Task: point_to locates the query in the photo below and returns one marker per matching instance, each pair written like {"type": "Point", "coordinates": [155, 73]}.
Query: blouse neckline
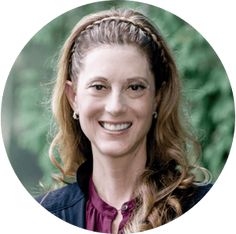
{"type": "Point", "coordinates": [100, 215]}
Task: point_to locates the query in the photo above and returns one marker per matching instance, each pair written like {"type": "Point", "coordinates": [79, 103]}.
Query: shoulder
{"type": "Point", "coordinates": [193, 195]}
{"type": "Point", "coordinates": [61, 198]}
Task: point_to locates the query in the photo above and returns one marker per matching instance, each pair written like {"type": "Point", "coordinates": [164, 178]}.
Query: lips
{"type": "Point", "coordinates": [115, 126]}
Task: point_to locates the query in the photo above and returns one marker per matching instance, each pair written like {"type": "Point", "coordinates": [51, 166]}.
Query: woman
{"type": "Point", "coordinates": [120, 129]}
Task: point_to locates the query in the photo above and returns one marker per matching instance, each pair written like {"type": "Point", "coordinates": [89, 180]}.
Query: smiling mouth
{"type": "Point", "coordinates": [115, 126]}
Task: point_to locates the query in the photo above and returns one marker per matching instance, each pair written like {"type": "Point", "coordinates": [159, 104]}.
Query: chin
{"type": "Point", "coordinates": [113, 153]}
{"type": "Point", "coordinates": [113, 150]}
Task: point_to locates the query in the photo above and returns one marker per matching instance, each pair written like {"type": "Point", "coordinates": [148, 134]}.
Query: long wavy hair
{"type": "Point", "coordinates": [169, 146]}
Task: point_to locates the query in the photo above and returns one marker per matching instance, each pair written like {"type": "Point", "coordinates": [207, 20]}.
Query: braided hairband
{"type": "Point", "coordinates": [146, 30]}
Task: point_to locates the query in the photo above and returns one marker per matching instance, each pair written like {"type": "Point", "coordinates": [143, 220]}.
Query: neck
{"type": "Point", "coordinates": [115, 177]}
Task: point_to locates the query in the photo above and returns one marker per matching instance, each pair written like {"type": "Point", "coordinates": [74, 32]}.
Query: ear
{"type": "Point", "coordinates": [159, 96]}
{"type": "Point", "coordinates": [70, 94]}
{"type": "Point", "coordinates": [157, 100]}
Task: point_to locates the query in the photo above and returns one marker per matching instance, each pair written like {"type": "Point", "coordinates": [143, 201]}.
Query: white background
{"type": "Point", "coordinates": [20, 20]}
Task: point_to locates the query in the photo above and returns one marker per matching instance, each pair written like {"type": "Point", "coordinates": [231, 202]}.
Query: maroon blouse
{"type": "Point", "coordinates": [100, 215]}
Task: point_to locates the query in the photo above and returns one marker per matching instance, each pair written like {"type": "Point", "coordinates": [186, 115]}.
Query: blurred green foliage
{"type": "Point", "coordinates": [26, 114]}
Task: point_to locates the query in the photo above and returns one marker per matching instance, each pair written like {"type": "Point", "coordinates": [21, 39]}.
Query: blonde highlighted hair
{"type": "Point", "coordinates": [169, 145]}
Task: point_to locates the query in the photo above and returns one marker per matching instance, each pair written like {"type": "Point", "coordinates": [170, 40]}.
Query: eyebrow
{"type": "Point", "coordinates": [138, 78]}
{"type": "Point", "coordinates": [130, 79]}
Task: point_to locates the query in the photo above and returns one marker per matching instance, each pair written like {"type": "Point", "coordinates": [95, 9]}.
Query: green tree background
{"type": "Point", "coordinates": [26, 113]}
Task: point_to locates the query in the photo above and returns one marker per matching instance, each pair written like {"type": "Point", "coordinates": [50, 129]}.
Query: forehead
{"type": "Point", "coordinates": [115, 61]}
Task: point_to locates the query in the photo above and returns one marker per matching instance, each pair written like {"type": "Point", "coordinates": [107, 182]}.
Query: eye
{"type": "Point", "coordinates": [136, 90]}
{"type": "Point", "coordinates": [137, 87]}
{"type": "Point", "coordinates": [98, 87]}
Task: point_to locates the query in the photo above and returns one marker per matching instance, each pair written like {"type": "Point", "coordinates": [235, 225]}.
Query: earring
{"type": "Point", "coordinates": [154, 115]}
{"type": "Point", "coordinates": [75, 116]}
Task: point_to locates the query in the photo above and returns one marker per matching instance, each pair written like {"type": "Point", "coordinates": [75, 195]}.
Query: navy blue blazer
{"type": "Point", "coordinates": [69, 203]}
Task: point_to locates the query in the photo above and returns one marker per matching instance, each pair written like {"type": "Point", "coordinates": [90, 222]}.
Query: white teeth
{"type": "Point", "coordinates": [116, 127]}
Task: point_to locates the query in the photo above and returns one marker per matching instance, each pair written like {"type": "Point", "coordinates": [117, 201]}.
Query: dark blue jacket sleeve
{"type": "Point", "coordinates": [67, 203]}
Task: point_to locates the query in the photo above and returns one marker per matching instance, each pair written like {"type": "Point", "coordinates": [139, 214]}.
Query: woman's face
{"type": "Point", "coordinates": [115, 99]}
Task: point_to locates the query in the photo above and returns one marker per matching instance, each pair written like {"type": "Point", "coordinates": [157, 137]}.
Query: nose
{"type": "Point", "coordinates": [115, 104]}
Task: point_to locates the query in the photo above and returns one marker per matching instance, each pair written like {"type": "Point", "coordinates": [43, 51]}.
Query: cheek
{"type": "Point", "coordinates": [87, 107]}
{"type": "Point", "coordinates": [88, 112]}
{"type": "Point", "coordinates": [144, 114]}
{"type": "Point", "coordinates": [145, 107]}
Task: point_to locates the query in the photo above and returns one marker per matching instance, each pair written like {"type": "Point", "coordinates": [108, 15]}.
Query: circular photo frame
{"type": "Point", "coordinates": [29, 127]}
